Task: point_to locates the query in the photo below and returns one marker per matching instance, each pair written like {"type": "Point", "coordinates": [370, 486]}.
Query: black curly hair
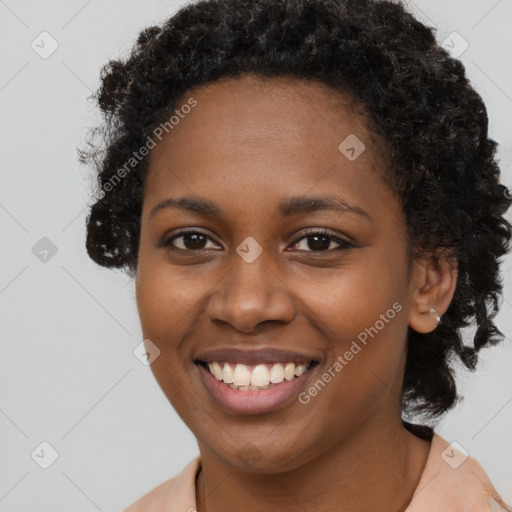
{"type": "Point", "coordinates": [417, 100]}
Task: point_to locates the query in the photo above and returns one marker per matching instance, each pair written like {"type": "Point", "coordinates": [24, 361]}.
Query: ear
{"type": "Point", "coordinates": [433, 282]}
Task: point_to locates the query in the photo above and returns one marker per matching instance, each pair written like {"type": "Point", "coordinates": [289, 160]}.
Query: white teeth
{"type": "Point", "coordinates": [300, 369]}
{"type": "Point", "coordinates": [241, 375]}
{"type": "Point", "coordinates": [247, 388]}
{"type": "Point", "coordinates": [217, 371]}
{"type": "Point", "coordinates": [277, 373]}
{"type": "Point", "coordinates": [262, 376]}
{"type": "Point", "coordinates": [227, 374]}
{"type": "Point", "coordinates": [289, 371]}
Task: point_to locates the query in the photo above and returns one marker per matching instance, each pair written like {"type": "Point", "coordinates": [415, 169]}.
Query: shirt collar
{"type": "Point", "coordinates": [451, 481]}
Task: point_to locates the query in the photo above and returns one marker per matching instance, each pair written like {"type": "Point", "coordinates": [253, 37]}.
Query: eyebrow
{"type": "Point", "coordinates": [288, 207]}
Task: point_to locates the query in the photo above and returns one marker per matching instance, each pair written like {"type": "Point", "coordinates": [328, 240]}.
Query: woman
{"type": "Point", "coordinates": [308, 200]}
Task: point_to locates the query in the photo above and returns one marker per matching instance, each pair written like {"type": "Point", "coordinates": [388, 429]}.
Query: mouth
{"type": "Point", "coordinates": [254, 388]}
{"type": "Point", "coordinates": [243, 377]}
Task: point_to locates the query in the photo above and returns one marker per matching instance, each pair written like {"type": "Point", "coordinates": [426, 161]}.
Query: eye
{"type": "Point", "coordinates": [188, 241]}
{"type": "Point", "coordinates": [316, 241]}
{"type": "Point", "coordinates": [320, 241]}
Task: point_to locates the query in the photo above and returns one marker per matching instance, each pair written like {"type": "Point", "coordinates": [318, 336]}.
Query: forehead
{"type": "Point", "coordinates": [251, 97]}
{"type": "Point", "coordinates": [258, 135]}
{"type": "Point", "coordinates": [235, 114]}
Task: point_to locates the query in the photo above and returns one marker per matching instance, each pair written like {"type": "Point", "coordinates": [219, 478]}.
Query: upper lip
{"type": "Point", "coordinates": [247, 356]}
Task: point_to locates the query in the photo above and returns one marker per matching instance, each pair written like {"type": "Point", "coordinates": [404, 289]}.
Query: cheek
{"type": "Point", "coordinates": [378, 310]}
{"type": "Point", "coordinates": [164, 304]}
{"type": "Point", "coordinates": [363, 312]}
{"type": "Point", "coordinates": [165, 299]}
{"type": "Point", "coordinates": [348, 301]}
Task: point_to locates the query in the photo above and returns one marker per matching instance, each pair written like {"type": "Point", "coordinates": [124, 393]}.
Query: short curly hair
{"type": "Point", "coordinates": [418, 101]}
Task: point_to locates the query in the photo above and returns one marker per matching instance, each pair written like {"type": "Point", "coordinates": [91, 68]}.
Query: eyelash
{"type": "Point", "coordinates": [344, 244]}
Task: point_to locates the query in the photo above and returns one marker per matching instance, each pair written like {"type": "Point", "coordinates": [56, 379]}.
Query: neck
{"type": "Point", "coordinates": [372, 470]}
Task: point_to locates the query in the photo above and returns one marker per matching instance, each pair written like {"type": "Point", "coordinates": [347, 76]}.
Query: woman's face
{"type": "Point", "coordinates": [253, 280]}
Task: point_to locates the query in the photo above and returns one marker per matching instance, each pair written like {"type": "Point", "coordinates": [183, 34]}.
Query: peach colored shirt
{"type": "Point", "coordinates": [450, 482]}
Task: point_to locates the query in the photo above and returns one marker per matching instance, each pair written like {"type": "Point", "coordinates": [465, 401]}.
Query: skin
{"type": "Point", "coordinates": [247, 145]}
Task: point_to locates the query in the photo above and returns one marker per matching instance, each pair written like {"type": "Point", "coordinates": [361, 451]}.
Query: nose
{"type": "Point", "coordinates": [250, 294]}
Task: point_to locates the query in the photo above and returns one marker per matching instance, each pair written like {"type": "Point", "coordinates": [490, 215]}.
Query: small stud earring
{"type": "Point", "coordinates": [433, 311]}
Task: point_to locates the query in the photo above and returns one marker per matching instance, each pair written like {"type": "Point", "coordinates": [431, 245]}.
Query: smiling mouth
{"type": "Point", "coordinates": [242, 377]}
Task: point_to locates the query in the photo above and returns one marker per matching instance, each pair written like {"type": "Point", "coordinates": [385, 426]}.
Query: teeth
{"type": "Point", "coordinates": [277, 373]}
{"type": "Point", "coordinates": [217, 371]}
{"type": "Point", "coordinates": [241, 375]}
{"type": "Point", "coordinates": [299, 370]}
{"type": "Point", "coordinates": [246, 388]}
{"type": "Point", "coordinates": [289, 371]}
{"type": "Point", "coordinates": [262, 376]}
{"type": "Point", "coordinates": [227, 374]}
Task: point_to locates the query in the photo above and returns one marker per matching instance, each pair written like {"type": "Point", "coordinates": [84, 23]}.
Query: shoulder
{"type": "Point", "coordinates": [454, 481]}
{"type": "Point", "coordinates": [154, 499]}
{"type": "Point", "coordinates": [172, 494]}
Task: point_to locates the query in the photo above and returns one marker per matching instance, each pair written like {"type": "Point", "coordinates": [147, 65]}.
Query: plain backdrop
{"type": "Point", "coordinates": [68, 375]}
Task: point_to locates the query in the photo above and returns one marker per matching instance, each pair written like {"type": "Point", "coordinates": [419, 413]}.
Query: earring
{"type": "Point", "coordinates": [433, 311]}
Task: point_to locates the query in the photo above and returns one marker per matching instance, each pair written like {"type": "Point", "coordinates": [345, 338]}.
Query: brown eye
{"type": "Point", "coordinates": [188, 241]}
{"type": "Point", "coordinates": [320, 241]}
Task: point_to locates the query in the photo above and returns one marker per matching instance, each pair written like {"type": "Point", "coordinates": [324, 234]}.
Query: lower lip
{"type": "Point", "coordinates": [253, 402]}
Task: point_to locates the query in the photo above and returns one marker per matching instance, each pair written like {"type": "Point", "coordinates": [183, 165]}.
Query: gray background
{"type": "Point", "coordinates": [69, 328]}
